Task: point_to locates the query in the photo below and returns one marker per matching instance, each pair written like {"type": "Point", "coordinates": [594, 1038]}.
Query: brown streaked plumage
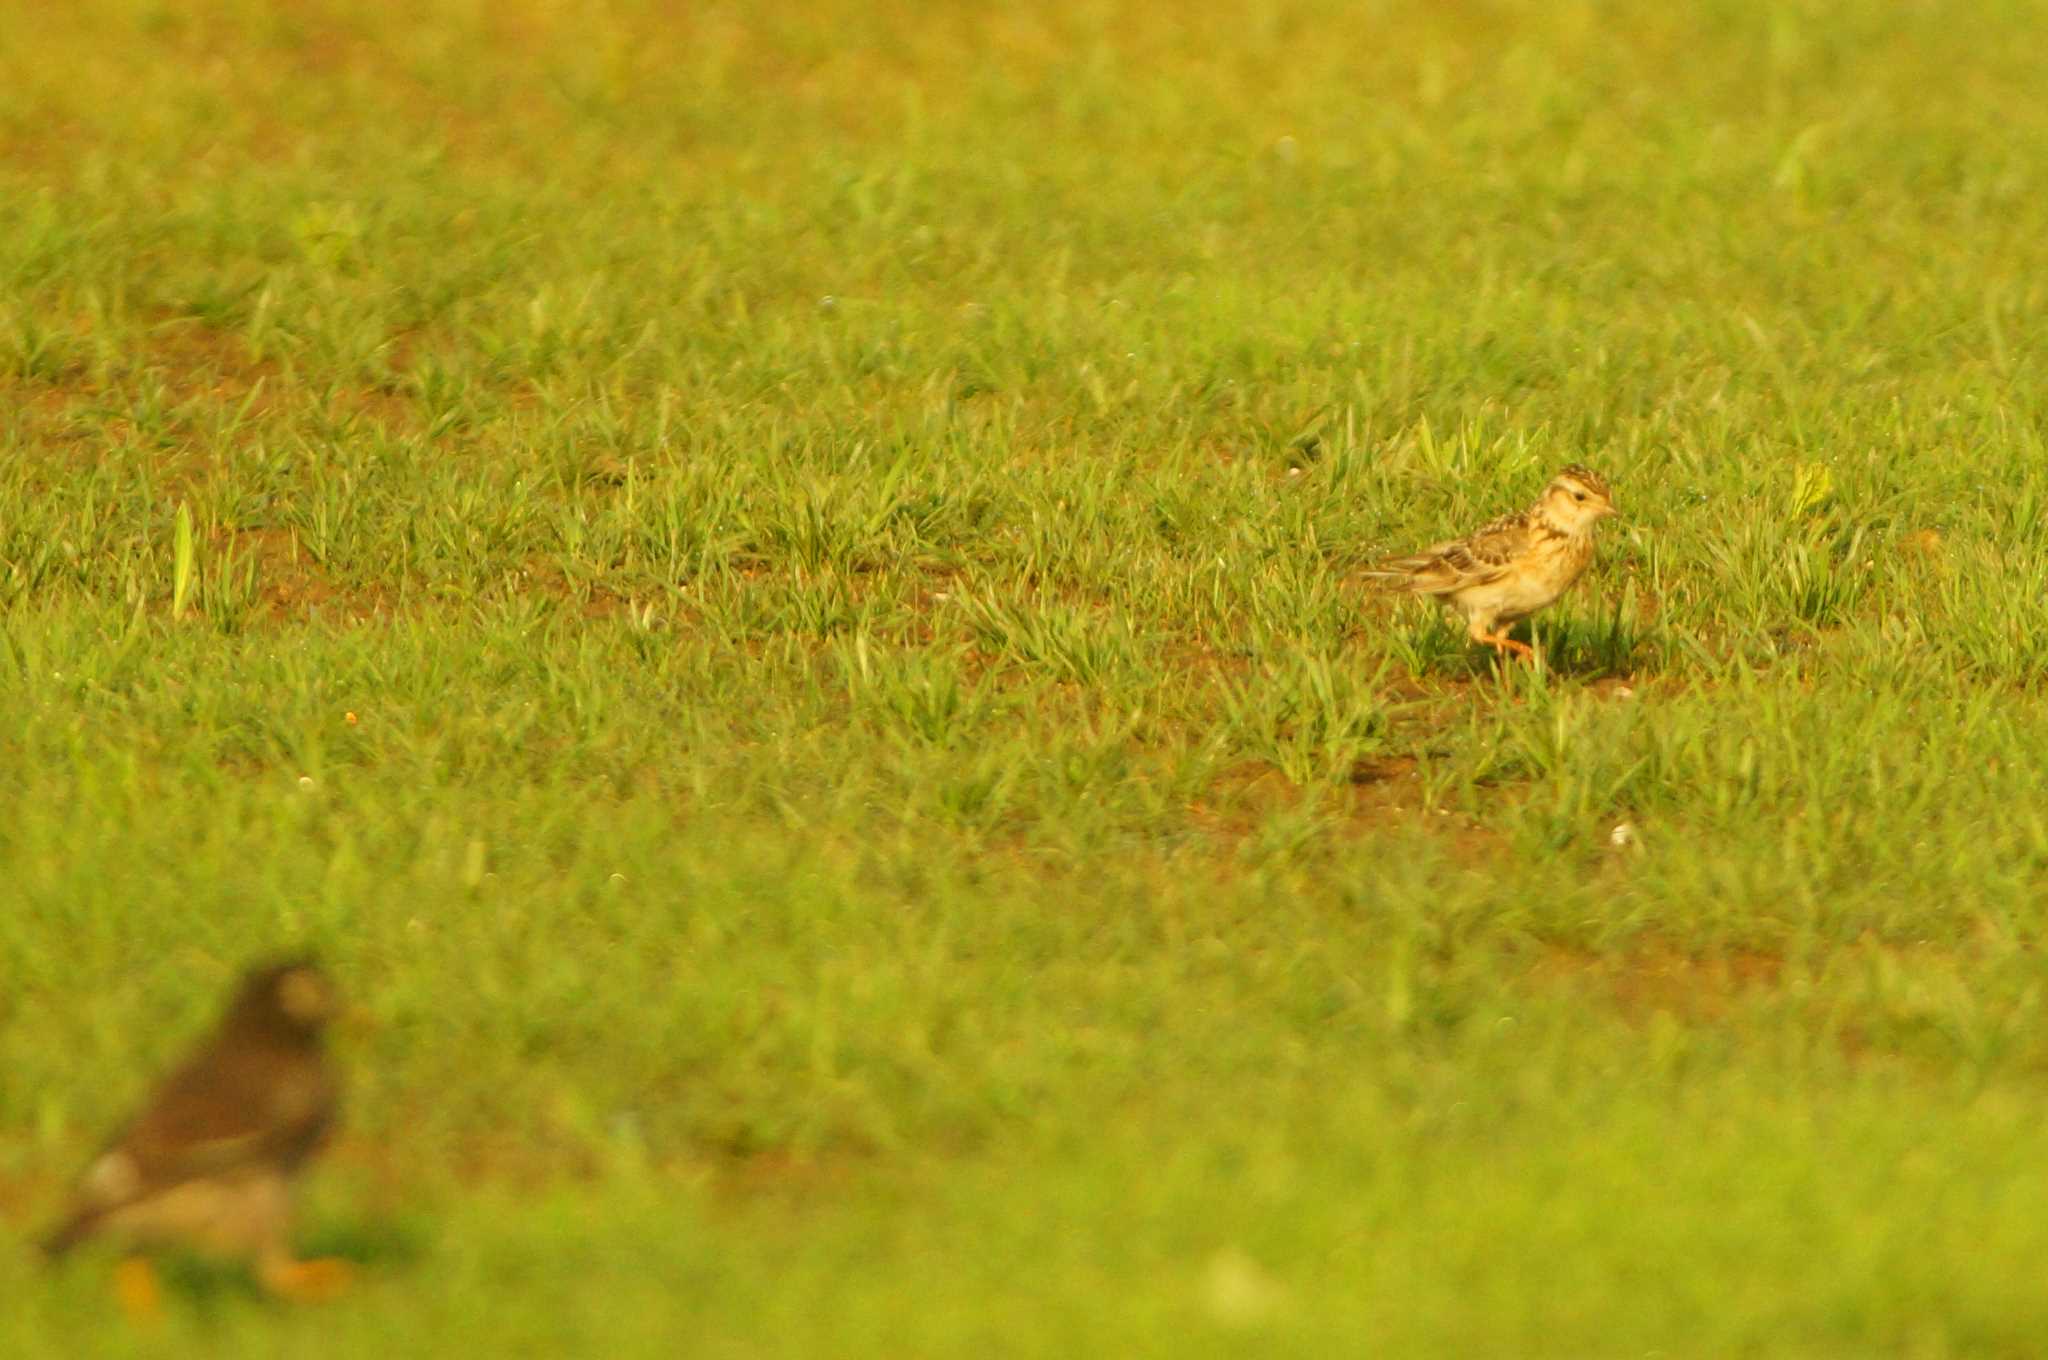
{"type": "Point", "coordinates": [1516, 565]}
{"type": "Point", "coordinates": [208, 1162]}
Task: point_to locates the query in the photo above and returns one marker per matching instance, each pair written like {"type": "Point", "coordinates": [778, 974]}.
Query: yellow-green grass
{"type": "Point", "coordinates": [777, 595]}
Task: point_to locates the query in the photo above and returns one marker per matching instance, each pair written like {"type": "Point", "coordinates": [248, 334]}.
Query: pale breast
{"type": "Point", "coordinates": [1542, 576]}
{"type": "Point", "coordinates": [238, 1214]}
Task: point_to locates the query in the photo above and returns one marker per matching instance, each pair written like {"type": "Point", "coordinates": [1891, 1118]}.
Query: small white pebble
{"type": "Point", "coordinates": [1294, 472]}
{"type": "Point", "coordinates": [827, 303]}
{"type": "Point", "coordinates": [941, 595]}
{"type": "Point", "coordinates": [1623, 835]}
{"type": "Point", "coordinates": [618, 878]}
{"type": "Point", "coordinates": [306, 782]}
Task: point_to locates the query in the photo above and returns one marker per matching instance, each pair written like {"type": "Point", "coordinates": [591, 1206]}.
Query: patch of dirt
{"type": "Point", "coordinates": [1378, 772]}
{"type": "Point", "coordinates": [1384, 793]}
{"type": "Point", "coordinates": [1924, 544]}
{"type": "Point", "coordinates": [189, 371]}
{"type": "Point", "coordinates": [1387, 791]}
{"type": "Point", "coordinates": [1660, 977]}
{"type": "Point", "coordinates": [1235, 799]}
{"type": "Point", "coordinates": [776, 1174]}
{"type": "Point", "coordinates": [291, 584]}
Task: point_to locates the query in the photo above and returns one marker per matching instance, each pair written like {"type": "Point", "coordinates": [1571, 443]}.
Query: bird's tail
{"type": "Point", "coordinates": [1399, 575]}
{"type": "Point", "coordinates": [66, 1235]}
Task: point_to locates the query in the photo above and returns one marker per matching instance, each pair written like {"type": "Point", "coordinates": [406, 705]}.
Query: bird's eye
{"type": "Point", "coordinates": [1578, 495]}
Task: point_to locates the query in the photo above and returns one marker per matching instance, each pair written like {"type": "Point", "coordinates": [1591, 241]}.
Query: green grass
{"type": "Point", "coordinates": [777, 597]}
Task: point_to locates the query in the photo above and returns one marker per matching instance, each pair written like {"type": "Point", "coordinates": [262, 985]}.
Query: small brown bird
{"type": "Point", "coordinates": [209, 1161]}
{"type": "Point", "coordinates": [1516, 565]}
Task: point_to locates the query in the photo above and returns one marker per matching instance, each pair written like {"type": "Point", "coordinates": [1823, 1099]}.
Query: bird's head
{"type": "Point", "coordinates": [289, 997]}
{"type": "Point", "coordinates": [1577, 499]}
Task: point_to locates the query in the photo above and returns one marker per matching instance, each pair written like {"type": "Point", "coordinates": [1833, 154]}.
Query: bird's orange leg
{"type": "Point", "coordinates": [306, 1281]}
{"type": "Point", "coordinates": [1503, 643]}
{"type": "Point", "coordinates": [137, 1291]}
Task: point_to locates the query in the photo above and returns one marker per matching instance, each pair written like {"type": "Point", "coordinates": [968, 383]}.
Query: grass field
{"type": "Point", "coordinates": [777, 595]}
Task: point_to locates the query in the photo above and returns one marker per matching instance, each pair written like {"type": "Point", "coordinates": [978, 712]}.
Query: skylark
{"type": "Point", "coordinates": [1516, 565]}
{"type": "Point", "coordinates": [208, 1162]}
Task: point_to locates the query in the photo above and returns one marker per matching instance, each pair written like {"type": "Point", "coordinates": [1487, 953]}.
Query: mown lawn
{"type": "Point", "coordinates": [777, 595]}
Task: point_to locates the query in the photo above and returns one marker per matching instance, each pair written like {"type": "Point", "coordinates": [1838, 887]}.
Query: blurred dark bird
{"type": "Point", "coordinates": [208, 1163]}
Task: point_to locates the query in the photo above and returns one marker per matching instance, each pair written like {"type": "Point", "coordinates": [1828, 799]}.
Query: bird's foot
{"type": "Point", "coordinates": [1507, 646]}
{"type": "Point", "coordinates": [314, 1281]}
{"type": "Point", "coordinates": [137, 1290]}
